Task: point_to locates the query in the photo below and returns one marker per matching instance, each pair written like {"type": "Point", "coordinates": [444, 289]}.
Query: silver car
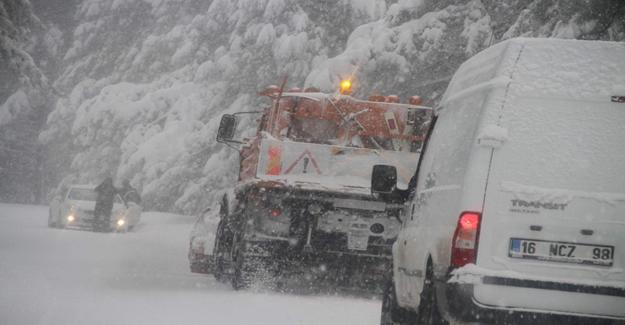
{"type": "Point", "coordinates": [76, 210]}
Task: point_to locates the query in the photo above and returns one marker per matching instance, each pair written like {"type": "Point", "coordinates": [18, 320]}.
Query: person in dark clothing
{"type": "Point", "coordinates": [129, 193]}
{"type": "Point", "coordinates": [104, 204]}
{"type": "Point", "coordinates": [132, 200]}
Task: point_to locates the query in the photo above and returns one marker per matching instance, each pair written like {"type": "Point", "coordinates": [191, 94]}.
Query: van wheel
{"type": "Point", "coordinates": [392, 313]}
{"type": "Point", "coordinates": [428, 307]}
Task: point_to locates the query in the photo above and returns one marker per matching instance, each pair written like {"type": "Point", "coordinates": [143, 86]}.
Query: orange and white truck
{"type": "Point", "coordinates": [303, 199]}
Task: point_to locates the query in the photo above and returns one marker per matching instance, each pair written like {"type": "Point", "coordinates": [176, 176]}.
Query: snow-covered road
{"type": "Point", "coordinates": [53, 276]}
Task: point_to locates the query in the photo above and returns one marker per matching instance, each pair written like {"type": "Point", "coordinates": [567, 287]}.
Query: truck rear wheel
{"type": "Point", "coordinates": [221, 248]}
{"type": "Point", "coordinates": [244, 270]}
{"type": "Point", "coordinates": [241, 278]}
{"type": "Point", "coordinates": [250, 269]}
{"type": "Point", "coordinates": [219, 272]}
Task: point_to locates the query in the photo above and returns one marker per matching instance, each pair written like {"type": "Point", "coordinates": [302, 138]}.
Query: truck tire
{"type": "Point", "coordinates": [221, 248]}
{"type": "Point", "coordinates": [392, 313]}
{"type": "Point", "coordinates": [428, 313]}
{"type": "Point", "coordinates": [219, 272]}
{"type": "Point", "coordinates": [243, 271]}
{"type": "Point", "coordinates": [249, 269]}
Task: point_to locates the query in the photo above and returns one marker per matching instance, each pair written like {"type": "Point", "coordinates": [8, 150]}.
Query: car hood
{"type": "Point", "coordinates": [82, 205]}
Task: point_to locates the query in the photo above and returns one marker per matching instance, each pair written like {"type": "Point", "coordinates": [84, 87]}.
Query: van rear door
{"type": "Point", "coordinates": [554, 212]}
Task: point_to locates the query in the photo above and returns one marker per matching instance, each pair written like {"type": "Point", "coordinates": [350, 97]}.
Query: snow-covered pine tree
{"type": "Point", "coordinates": [25, 99]}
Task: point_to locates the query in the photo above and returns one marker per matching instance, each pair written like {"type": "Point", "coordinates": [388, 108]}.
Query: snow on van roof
{"type": "Point", "coordinates": [544, 67]}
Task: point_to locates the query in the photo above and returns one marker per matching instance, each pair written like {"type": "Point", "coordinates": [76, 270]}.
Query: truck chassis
{"type": "Point", "coordinates": [311, 241]}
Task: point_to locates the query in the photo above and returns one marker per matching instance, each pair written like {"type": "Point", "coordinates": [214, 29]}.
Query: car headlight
{"type": "Point", "coordinates": [70, 218]}
{"type": "Point", "coordinates": [120, 222]}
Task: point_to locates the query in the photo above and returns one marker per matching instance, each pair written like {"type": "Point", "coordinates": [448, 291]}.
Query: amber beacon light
{"type": "Point", "coordinates": [346, 87]}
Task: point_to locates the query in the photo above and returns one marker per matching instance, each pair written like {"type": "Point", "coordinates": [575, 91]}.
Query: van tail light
{"type": "Point", "coordinates": [465, 240]}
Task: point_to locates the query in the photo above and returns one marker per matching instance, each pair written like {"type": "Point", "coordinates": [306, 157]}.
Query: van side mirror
{"type": "Point", "coordinates": [383, 179]}
{"type": "Point", "coordinates": [227, 127]}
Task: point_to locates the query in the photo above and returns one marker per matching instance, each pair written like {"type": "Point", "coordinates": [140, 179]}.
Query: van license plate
{"type": "Point", "coordinates": [561, 252]}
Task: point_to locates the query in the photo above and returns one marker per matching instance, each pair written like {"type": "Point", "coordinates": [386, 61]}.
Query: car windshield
{"type": "Point", "coordinates": [312, 130]}
{"type": "Point", "coordinates": [352, 123]}
{"type": "Point", "coordinates": [82, 194]}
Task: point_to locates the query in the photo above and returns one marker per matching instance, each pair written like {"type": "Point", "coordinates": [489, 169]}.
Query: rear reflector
{"type": "Point", "coordinates": [465, 240]}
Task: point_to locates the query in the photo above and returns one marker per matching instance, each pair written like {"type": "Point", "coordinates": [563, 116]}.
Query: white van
{"type": "Point", "coordinates": [518, 212]}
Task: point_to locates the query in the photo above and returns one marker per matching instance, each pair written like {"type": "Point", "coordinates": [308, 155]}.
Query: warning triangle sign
{"type": "Point", "coordinates": [306, 159]}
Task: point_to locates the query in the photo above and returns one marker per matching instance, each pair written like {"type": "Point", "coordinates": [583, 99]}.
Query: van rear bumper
{"type": "Point", "coordinates": [457, 302]}
{"type": "Point", "coordinates": [549, 285]}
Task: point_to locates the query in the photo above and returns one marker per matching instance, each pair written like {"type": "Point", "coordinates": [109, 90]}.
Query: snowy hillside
{"type": "Point", "coordinates": [144, 83]}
